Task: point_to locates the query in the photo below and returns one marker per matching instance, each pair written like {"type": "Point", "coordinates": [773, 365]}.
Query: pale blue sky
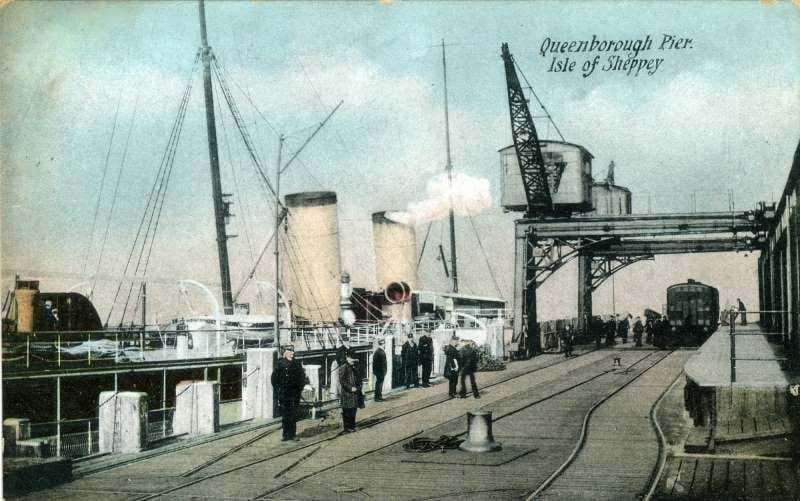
{"type": "Point", "coordinates": [720, 116]}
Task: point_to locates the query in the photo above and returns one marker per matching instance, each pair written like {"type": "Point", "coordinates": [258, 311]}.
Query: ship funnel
{"type": "Point", "coordinates": [25, 296]}
{"type": "Point", "coordinates": [395, 251]}
{"type": "Point", "coordinates": [395, 262]}
{"type": "Point", "coordinates": [397, 292]}
{"type": "Point", "coordinates": [311, 262]}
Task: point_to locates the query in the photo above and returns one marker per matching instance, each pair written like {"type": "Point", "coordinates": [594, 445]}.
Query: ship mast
{"type": "Point", "coordinates": [221, 208]}
{"type": "Point", "coordinates": [449, 168]}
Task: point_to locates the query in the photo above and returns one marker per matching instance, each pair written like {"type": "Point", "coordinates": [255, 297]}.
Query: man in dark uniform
{"type": "Point", "coordinates": [660, 332]}
{"type": "Point", "coordinates": [343, 348]}
{"type": "Point", "coordinates": [425, 351]}
{"type": "Point", "coordinates": [350, 389]}
{"type": "Point", "coordinates": [597, 328]}
{"type": "Point", "coordinates": [566, 341]}
{"type": "Point", "coordinates": [611, 329]}
{"type": "Point", "coordinates": [742, 311]}
{"type": "Point", "coordinates": [288, 380]}
{"type": "Point", "coordinates": [648, 330]}
{"type": "Point", "coordinates": [622, 329]}
{"type": "Point", "coordinates": [451, 366]}
{"type": "Point", "coordinates": [638, 330]}
{"type": "Point", "coordinates": [469, 364]}
{"type": "Point", "coordinates": [410, 357]}
{"type": "Point", "coordinates": [379, 369]}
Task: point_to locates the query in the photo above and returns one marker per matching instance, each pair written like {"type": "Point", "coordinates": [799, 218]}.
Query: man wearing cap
{"type": "Point", "coordinates": [426, 357]}
{"type": "Point", "coordinates": [410, 356]}
{"type": "Point", "coordinates": [350, 388]}
{"type": "Point", "coordinates": [469, 364]}
{"type": "Point", "coordinates": [343, 348]}
{"type": "Point", "coordinates": [379, 369]}
{"type": "Point", "coordinates": [288, 379]}
{"type": "Point", "coordinates": [622, 328]}
{"type": "Point", "coordinates": [451, 366]}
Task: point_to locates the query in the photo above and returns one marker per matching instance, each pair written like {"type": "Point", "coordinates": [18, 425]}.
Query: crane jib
{"type": "Point", "coordinates": [526, 143]}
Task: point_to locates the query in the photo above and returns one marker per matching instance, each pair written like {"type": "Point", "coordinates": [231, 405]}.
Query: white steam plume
{"type": "Point", "coordinates": [468, 196]}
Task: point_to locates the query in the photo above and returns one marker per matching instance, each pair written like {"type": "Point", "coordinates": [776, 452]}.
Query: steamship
{"type": "Point", "coordinates": [56, 347]}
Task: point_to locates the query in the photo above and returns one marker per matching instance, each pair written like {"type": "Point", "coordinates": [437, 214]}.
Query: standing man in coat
{"type": "Point", "coordinates": [611, 329]}
{"type": "Point", "coordinates": [350, 388]}
{"type": "Point", "coordinates": [288, 379]}
{"type": "Point", "coordinates": [469, 364]}
{"type": "Point", "coordinates": [344, 347]}
{"type": "Point", "coordinates": [638, 330]}
{"type": "Point", "coordinates": [742, 311]}
{"type": "Point", "coordinates": [379, 368]}
{"type": "Point", "coordinates": [622, 329]}
{"type": "Point", "coordinates": [648, 330]}
{"type": "Point", "coordinates": [566, 341]}
{"type": "Point", "coordinates": [661, 331]}
{"type": "Point", "coordinates": [451, 366]}
{"type": "Point", "coordinates": [425, 351]}
{"type": "Point", "coordinates": [410, 356]}
{"type": "Point", "coordinates": [597, 331]}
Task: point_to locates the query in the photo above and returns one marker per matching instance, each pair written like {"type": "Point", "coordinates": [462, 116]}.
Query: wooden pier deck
{"type": "Point", "coordinates": [539, 408]}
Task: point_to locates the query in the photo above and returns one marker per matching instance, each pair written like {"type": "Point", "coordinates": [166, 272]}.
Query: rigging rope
{"type": "Point", "coordinates": [363, 302]}
{"type": "Point", "coordinates": [295, 256]}
{"type": "Point", "coordinates": [539, 101]}
{"type": "Point", "coordinates": [114, 197]}
{"type": "Point", "coordinates": [485, 257]}
{"type": "Point", "coordinates": [102, 185]}
{"type": "Point", "coordinates": [166, 178]}
{"type": "Point", "coordinates": [347, 149]}
{"type": "Point", "coordinates": [155, 191]}
{"type": "Point", "coordinates": [240, 125]}
{"type": "Point", "coordinates": [238, 192]}
{"type": "Point", "coordinates": [247, 95]}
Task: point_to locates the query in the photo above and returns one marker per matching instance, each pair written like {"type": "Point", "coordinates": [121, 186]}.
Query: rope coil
{"type": "Point", "coordinates": [426, 444]}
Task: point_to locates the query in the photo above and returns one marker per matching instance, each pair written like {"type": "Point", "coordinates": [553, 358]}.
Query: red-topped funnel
{"type": "Point", "coordinates": [397, 292]}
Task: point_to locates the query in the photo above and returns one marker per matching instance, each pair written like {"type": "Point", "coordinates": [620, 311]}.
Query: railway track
{"type": "Point", "coordinates": [596, 472]}
{"type": "Point", "coordinates": [276, 492]}
{"type": "Point", "coordinates": [290, 472]}
{"type": "Point", "coordinates": [267, 494]}
{"type": "Point", "coordinates": [279, 491]}
{"type": "Point", "coordinates": [268, 429]}
{"type": "Point", "coordinates": [378, 419]}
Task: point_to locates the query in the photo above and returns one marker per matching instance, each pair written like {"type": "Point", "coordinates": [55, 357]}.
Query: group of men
{"type": "Point", "coordinates": [415, 355]}
{"type": "Point", "coordinates": [289, 378]}
{"type": "Point", "coordinates": [651, 331]}
{"type": "Point", "coordinates": [460, 362]}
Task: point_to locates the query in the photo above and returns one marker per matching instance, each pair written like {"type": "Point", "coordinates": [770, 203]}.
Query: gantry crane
{"type": "Point", "coordinates": [526, 144]}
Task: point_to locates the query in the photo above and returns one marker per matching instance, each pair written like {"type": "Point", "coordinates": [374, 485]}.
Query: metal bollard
{"type": "Point", "coordinates": [479, 433]}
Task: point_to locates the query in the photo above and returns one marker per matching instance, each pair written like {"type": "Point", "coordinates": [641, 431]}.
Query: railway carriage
{"type": "Point", "coordinates": [693, 312]}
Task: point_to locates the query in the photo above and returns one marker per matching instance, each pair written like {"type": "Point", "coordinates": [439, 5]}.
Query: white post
{"type": "Point", "coordinates": [312, 373]}
{"type": "Point", "coordinates": [387, 382]}
{"type": "Point", "coordinates": [333, 377]}
{"type": "Point", "coordinates": [258, 397]}
{"type": "Point", "coordinates": [196, 408]}
{"type": "Point", "coordinates": [123, 421]}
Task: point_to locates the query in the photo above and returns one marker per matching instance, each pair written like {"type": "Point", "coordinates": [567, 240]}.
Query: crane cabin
{"type": "Point", "coordinates": [569, 168]}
